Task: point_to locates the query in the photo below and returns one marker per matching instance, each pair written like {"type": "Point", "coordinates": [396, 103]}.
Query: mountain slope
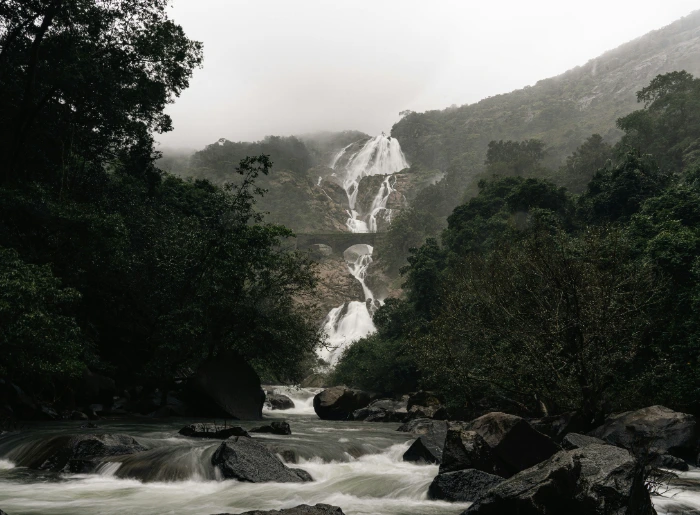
{"type": "Point", "coordinates": [562, 111]}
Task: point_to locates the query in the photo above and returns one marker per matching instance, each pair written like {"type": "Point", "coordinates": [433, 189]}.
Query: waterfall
{"type": "Point", "coordinates": [380, 155]}
{"type": "Point", "coordinates": [352, 320]}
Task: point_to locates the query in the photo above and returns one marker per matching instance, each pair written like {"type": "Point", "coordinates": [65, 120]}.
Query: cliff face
{"type": "Point", "coordinates": [562, 110]}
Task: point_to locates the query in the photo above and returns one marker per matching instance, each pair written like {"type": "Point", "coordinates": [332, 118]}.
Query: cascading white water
{"type": "Point", "coordinates": [381, 155]}
{"type": "Point", "coordinates": [352, 320]}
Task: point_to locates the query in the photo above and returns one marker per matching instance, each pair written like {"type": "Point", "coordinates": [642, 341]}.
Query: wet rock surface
{"type": "Point", "coordinates": [462, 486]}
{"type": "Point", "coordinates": [594, 480]}
{"type": "Point", "coordinates": [275, 428]}
{"type": "Point", "coordinates": [513, 440]}
{"type": "Point", "coordinates": [339, 402]}
{"type": "Point", "coordinates": [79, 453]}
{"type": "Point", "coordinates": [428, 448]}
{"type": "Point", "coordinates": [661, 429]}
{"type": "Point", "coordinates": [278, 401]}
{"type": "Point", "coordinates": [201, 430]}
{"type": "Point", "coordinates": [576, 441]}
{"type": "Point", "coordinates": [247, 460]}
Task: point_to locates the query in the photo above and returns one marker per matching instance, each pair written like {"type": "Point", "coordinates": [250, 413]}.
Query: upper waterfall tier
{"type": "Point", "coordinates": [380, 155]}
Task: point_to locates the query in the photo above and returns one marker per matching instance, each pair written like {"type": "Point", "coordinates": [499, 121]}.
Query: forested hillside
{"type": "Point", "coordinates": [542, 301]}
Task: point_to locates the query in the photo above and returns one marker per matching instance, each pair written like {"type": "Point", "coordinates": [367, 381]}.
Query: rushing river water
{"type": "Point", "coordinates": [355, 465]}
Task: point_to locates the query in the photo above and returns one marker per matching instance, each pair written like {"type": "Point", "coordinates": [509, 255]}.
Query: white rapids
{"type": "Point", "coordinates": [356, 466]}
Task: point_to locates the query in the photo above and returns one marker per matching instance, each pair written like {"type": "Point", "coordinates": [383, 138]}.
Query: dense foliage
{"type": "Point", "coordinates": [105, 260]}
{"type": "Point", "coordinates": [544, 301]}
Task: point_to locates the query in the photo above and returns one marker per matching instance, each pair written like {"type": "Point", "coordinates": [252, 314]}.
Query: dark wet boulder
{"type": "Point", "coordinates": [276, 428]}
{"type": "Point", "coordinates": [302, 509]}
{"type": "Point", "coordinates": [468, 450]}
{"type": "Point", "coordinates": [246, 460]}
{"type": "Point", "coordinates": [78, 415]}
{"type": "Point", "coordinates": [78, 453]}
{"type": "Point", "coordinates": [558, 426]}
{"type": "Point", "coordinates": [576, 441]}
{"type": "Point", "coordinates": [419, 426]}
{"type": "Point", "coordinates": [339, 402]}
{"type": "Point", "coordinates": [662, 430]}
{"type": "Point", "coordinates": [462, 485]}
{"type": "Point", "coordinates": [382, 410]}
{"type": "Point", "coordinates": [593, 480]}
{"type": "Point", "coordinates": [431, 412]}
{"type": "Point", "coordinates": [666, 461]}
{"type": "Point", "coordinates": [277, 401]}
{"type": "Point", "coordinates": [428, 447]}
{"type": "Point", "coordinates": [225, 387]}
{"type": "Point", "coordinates": [514, 441]}
{"type": "Point", "coordinates": [212, 431]}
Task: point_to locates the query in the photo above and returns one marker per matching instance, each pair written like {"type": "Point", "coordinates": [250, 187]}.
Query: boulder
{"type": "Point", "coordinates": [558, 426]}
{"type": "Point", "coordinates": [462, 486]}
{"type": "Point", "coordinates": [278, 401]}
{"type": "Point", "coordinates": [513, 440]}
{"type": "Point", "coordinates": [302, 509]}
{"type": "Point", "coordinates": [428, 447]}
{"type": "Point", "coordinates": [16, 404]}
{"type": "Point", "coordinates": [275, 428]}
{"type": "Point", "coordinates": [468, 450]}
{"type": "Point", "coordinates": [421, 398]}
{"type": "Point", "coordinates": [339, 402]}
{"type": "Point", "coordinates": [418, 426]}
{"type": "Point", "coordinates": [78, 415]}
{"type": "Point", "coordinates": [434, 412]}
{"type": "Point", "coordinates": [212, 431]}
{"type": "Point", "coordinates": [226, 387]}
{"type": "Point", "coordinates": [666, 461]}
{"type": "Point", "coordinates": [246, 460]}
{"type": "Point", "coordinates": [660, 429]}
{"type": "Point", "coordinates": [382, 410]}
{"type": "Point", "coordinates": [576, 441]}
{"type": "Point", "coordinates": [78, 453]}
{"type": "Point", "coordinates": [593, 480]}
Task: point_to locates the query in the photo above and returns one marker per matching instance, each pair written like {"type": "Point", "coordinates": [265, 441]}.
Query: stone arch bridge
{"type": "Point", "coordinates": [338, 241]}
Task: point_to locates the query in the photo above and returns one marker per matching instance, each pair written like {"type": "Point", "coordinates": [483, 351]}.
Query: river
{"type": "Point", "coordinates": [355, 465]}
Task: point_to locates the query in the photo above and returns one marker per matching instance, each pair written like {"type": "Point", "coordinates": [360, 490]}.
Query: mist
{"type": "Point", "coordinates": [279, 67]}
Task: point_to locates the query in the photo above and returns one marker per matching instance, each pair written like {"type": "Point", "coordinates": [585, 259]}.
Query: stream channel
{"type": "Point", "coordinates": [355, 465]}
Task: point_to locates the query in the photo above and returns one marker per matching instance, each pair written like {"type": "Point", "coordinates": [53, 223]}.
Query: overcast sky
{"type": "Point", "coordinates": [293, 66]}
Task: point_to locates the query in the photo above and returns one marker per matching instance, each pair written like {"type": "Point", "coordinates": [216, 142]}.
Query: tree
{"type": "Point", "coordinates": [518, 158]}
{"type": "Point", "coordinates": [83, 82]}
{"type": "Point", "coordinates": [548, 322]}
{"type": "Point", "coordinates": [580, 166]}
{"type": "Point", "coordinates": [669, 125]}
{"type": "Point", "coordinates": [40, 341]}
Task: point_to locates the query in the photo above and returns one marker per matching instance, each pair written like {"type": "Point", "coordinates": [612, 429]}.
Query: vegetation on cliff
{"type": "Point", "coordinates": [540, 300]}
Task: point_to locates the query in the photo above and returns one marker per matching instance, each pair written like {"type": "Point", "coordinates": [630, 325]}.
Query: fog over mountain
{"type": "Point", "coordinates": [277, 67]}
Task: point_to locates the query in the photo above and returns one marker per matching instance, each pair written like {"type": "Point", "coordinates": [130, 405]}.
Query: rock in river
{"type": "Point", "coordinates": [665, 431]}
{"type": "Point", "coordinates": [338, 402]}
{"type": "Point", "coordinates": [278, 401]}
{"type": "Point", "coordinates": [593, 480]}
{"type": "Point", "coordinates": [246, 460]}
{"type": "Point", "coordinates": [428, 447]}
{"type": "Point", "coordinates": [212, 431]}
{"type": "Point", "coordinates": [78, 453]}
{"type": "Point", "coordinates": [462, 486]}
{"type": "Point", "coordinates": [276, 428]}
